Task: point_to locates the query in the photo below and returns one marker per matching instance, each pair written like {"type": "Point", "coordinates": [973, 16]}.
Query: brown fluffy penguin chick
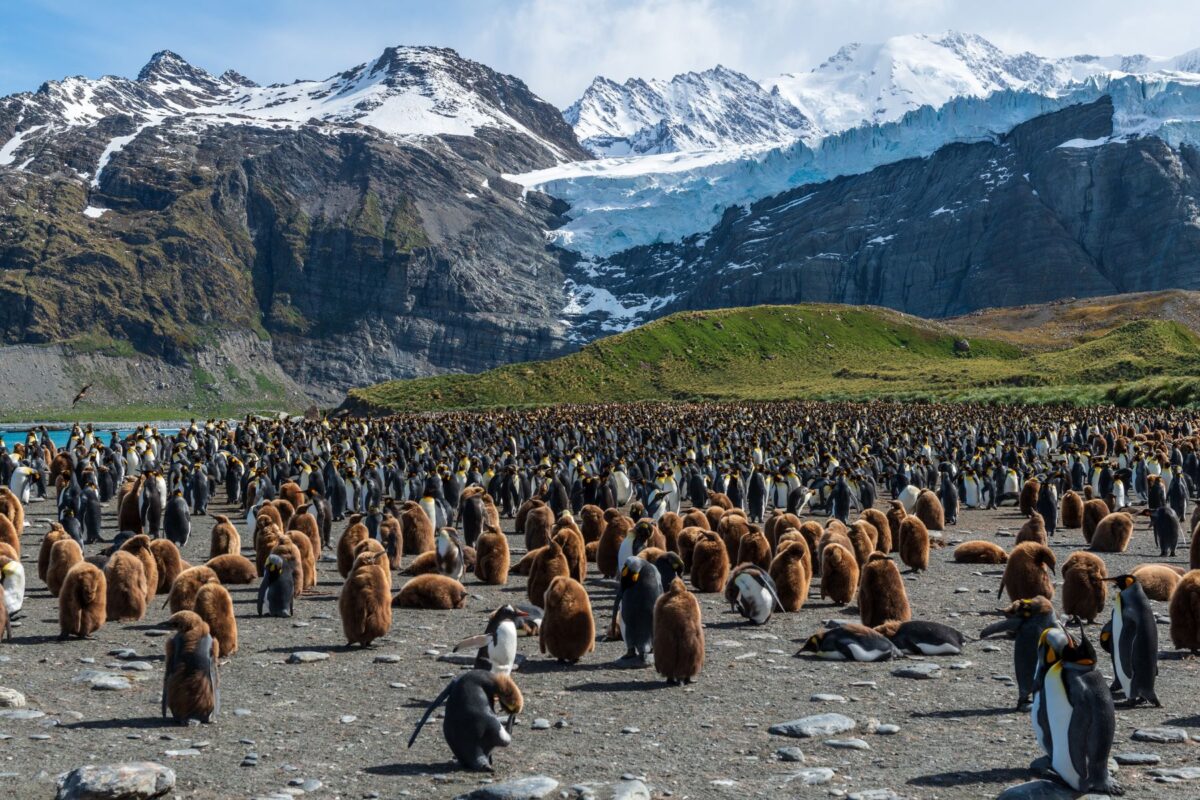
{"type": "Point", "coordinates": [491, 557]}
{"type": "Point", "coordinates": [225, 539]}
{"type": "Point", "coordinates": [881, 595]}
{"type": "Point", "coordinates": [233, 569]}
{"type": "Point", "coordinates": [424, 564]}
{"type": "Point", "coordinates": [350, 538]}
{"type": "Point", "coordinates": [82, 601]}
{"type": "Point", "coordinates": [538, 524]}
{"type": "Point", "coordinates": [568, 631]}
{"type": "Point", "coordinates": [1034, 529]}
{"type": "Point", "coordinates": [7, 551]}
{"type": "Point", "coordinates": [1071, 510]}
{"type": "Point", "coordinates": [168, 562]}
{"type": "Point", "coordinates": [861, 539]}
{"type": "Point", "coordinates": [290, 491]}
{"type": "Point", "coordinates": [1093, 512]}
{"type": "Point", "coordinates": [812, 532]}
{"type": "Point", "coordinates": [525, 563]}
{"type": "Point", "coordinates": [265, 541]}
{"type": "Point", "coordinates": [695, 518]}
{"type": "Point", "coordinates": [1025, 573]}
{"type": "Point", "coordinates": [191, 689]}
{"type": "Point", "coordinates": [416, 528]}
{"type": "Point", "coordinates": [126, 587]}
{"type": "Point", "coordinates": [271, 512]}
{"type": "Point", "coordinates": [895, 517]}
{"type": "Point", "coordinates": [433, 592]}
{"type": "Point", "coordinates": [288, 551]}
{"type": "Point", "coordinates": [286, 512]}
{"type": "Point", "coordinates": [1027, 500]}
{"type": "Point", "coordinates": [571, 542]}
{"type": "Point", "coordinates": [365, 604]}
{"type": "Point", "coordinates": [928, 509]}
{"type": "Point", "coordinates": [777, 523]}
{"type": "Point", "coordinates": [754, 549]}
{"type": "Point", "coordinates": [9, 535]}
{"type": "Point", "coordinates": [1158, 580]}
{"type": "Point", "coordinates": [591, 523]}
{"type": "Point", "coordinates": [914, 544]}
{"type": "Point", "coordinates": [839, 573]}
{"type": "Point", "coordinates": [710, 563]}
{"type": "Point", "coordinates": [669, 525]}
{"type": "Point", "coordinates": [719, 500]}
{"type": "Point", "coordinates": [883, 529]}
{"type": "Point", "coordinates": [610, 544]}
{"type": "Point", "coordinates": [1113, 533]}
{"type": "Point", "coordinates": [979, 551]}
{"type": "Point", "coordinates": [1185, 613]}
{"type": "Point", "coordinates": [141, 546]}
{"type": "Point", "coordinates": [713, 514]}
{"type": "Point", "coordinates": [214, 605]}
{"type": "Point", "coordinates": [678, 634]}
{"type": "Point", "coordinates": [304, 545]}
{"type": "Point", "coordinates": [129, 514]}
{"type": "Point", "coordinates": [1083, 587]}
{"type": "Point", "coordinates": [687, 544]}
{"type": "Point", "coordinates": [523, 514]}
{"type": "Point", "coordinates": [55, 534]}
{"type": "Point", "coordinates": [548, 565]}
{"type": "Point", "coordinates": [792, 575]}
{"type": "Point", "coordinates": [793, 536]}
{"type": "Point", "coordinates": [183, 591]}
{"type": "Point", "coordinates": [732, 528]}
{"type": "Point", "coordinates": [305, 523]}
{"type": "Point", "coordinates": [64, 554]}
{"type": "Point", "coordinates": [11, 507]}
{"type": "Point", "coordinates": [1194, 549]}
{"type": "Point", "coordinates": [376, 547]}
{"type": "Point", "coordinates": [652, 554]}
{"type": "Point", "coordinates": [391, 536]}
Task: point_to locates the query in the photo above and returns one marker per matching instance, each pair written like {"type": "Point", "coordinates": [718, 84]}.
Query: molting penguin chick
{"type": "Point", "coordinates": [12, 582]}
{"type": "Point", "coordinates": [450, 549]}
{"type": "Point", "coordinates": [850, 642]}
{"type": "Point", "coordinates": [191, 688]}
{"type": "Point", "coordinates": [568, 631]}
{"type": "Point", "coordinates": [278, 588]}
{"type": "Point", "coordinates": [752, 592]}
{"type": "Point", "coordinates": [471, 727]}
{"type": "Point", "coordinates": [678, 634]}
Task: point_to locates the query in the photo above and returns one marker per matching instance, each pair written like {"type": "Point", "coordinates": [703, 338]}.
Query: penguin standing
{"type": "Point", "coordinates": [1074, 719]}
{"type": "Point", "coordinates": [498, 643]}
{"type": "Point", "coordinates": [278, 587]}
{"type": "Point", "coordinates": [1047, 506]}
{"type": "Point", "coordinates": [470, 726]}
{"type": "Point", "coordinates": [1025, 620]}
{"type": "Point", "coordinates": [450, 553]}
{"type": "Point", "coordinates": [191, 689]}
{"type": "Point", "coordinates": [1134, 642]}
{"type": "Point", "coordinates": [640, 588]}
{"type": "Point", "coordinates": [177, 519]}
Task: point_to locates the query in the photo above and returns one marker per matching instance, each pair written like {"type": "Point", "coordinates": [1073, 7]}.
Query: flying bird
{"type": "Point", "coordinates": [79, 396]}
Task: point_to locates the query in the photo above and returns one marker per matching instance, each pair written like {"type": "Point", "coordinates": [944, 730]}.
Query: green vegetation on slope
{"type": "Point", "coordinates": [821, 352]}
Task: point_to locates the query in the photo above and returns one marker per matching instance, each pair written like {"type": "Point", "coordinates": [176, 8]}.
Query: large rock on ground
{"type": "Point", "coordinates": [136, 780]}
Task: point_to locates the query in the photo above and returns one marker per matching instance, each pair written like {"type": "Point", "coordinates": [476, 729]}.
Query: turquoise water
{"type": "Point", "coordinates": [60, 435]}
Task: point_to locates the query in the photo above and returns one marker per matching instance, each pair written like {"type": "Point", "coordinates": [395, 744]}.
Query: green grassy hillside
{"type": "Point", "coordinates": [820, 352]}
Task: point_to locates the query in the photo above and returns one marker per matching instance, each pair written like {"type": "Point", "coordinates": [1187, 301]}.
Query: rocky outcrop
{"type": "Point", "coordinates": [1050, 210]}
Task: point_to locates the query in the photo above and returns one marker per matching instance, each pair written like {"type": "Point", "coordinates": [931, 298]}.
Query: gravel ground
{"type": "Point", "coordinates": [344, 721]}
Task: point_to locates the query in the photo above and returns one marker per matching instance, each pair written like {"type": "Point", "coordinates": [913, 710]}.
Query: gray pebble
{"type": "Point", "coordinates": [1160, 735]}
{"type": "Point", "coordinates": [540, 724]}
{"type": "Point", "coordinates": [1137, 759]}
{"type": "Point", "coordinates": [922, 670]}
{"type": "Point", "coordinates": [790, 754]}
{"type": "Point", "coordinates": [847, 744]}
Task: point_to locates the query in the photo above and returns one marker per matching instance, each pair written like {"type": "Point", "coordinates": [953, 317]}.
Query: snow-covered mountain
{"type": "Point", "coordinates": [694, 111]}
{"type": "Point", "coordinates": [407, 92]}
{"type": "Point", "coordinates": [860, 84]}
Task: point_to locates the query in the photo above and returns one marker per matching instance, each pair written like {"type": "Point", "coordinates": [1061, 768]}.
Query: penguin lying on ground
{"type": "Point", "coordinates": [850, 642]}
{"type": "Point", "coordinates": [470, 726]}
{"type": "Point", "coordinates": [923, 638]}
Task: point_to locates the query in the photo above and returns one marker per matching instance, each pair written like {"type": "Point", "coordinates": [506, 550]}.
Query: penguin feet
{"type": "Point", "coordinates": [1043, 766]}
{"type": "Point", "coordinates": [1110, 787]}
{"type": "Point", "coordinates": [629, 655]}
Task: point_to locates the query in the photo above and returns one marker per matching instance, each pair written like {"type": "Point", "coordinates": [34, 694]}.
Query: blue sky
{"type": "Point", "coordinates": [556, 46]}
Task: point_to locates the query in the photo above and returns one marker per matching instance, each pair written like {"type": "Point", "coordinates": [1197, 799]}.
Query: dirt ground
{"type": "Point", "coordinates": [344, 721]}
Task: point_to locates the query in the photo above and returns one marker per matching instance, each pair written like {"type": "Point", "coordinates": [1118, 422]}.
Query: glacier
{"type": "Point", "coordinates": [620, 203]}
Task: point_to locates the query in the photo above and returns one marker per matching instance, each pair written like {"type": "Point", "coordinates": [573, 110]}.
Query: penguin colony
{"type": "Point", "coordinates": [777, 509]}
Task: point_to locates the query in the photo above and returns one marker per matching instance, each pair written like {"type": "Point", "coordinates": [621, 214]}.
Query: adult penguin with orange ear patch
{"type": "Point", "coordinates": [1134, 643]}
{"type": "Point", "coordinates": [365, 604]}
{"type": "Point", "coordinates": [633, 607]}
{"type": "Point", "coordinates": [568, 631]}
{"type": "Point", "coordinates": [278, 587]}
{"type": "Point", "coordinates": [191, 688]}
{"type": "Point", "coordinates": [126, 587]}
{"type": "Point", "coordinates": [881, 594]}
{"type": "Point", "coordinates": [82, 601]}
{"type": "Point", "coordinates": [491, 557]}
{"type": "Point", "coordinates": [215, 607]}
{"type": "Point", "coordinates": [678, 634]}
{"type": "Point", "coordinates": [471, 727]}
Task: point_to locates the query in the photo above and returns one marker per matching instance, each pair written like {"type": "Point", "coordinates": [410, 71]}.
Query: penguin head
{"type": "Point", "coordinates": [507, 693]}
{"type": "Point", "coordinates": [669, 566]}
{"type": "Point", "coordinates": [813, 645]}
{"type": "Point", "coordinates": [1123, 582]}
{"type": "Point", "coordinates": [275, 564]}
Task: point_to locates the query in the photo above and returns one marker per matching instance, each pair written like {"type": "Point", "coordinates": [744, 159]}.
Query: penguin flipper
{"type": "Point", "coordinates": [769, 583]}
{"type": "Point", "coordinates": [437, 701]}
{"type": "Point", "coordinates": [475, 642]}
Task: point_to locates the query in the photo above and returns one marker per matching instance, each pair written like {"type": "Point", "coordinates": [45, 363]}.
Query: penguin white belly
{"type": "Point", "coordinates": [940, 649]}
{"type": "Point", "coordinates": [502, 652]}
{"type": "Point", "coordinates": [1059, 712]}
{"type": "Point", "coordinates": [1119, 494]}
{"type": "Point", "coordinates": [14, 590]}
{"type": "Point", "coordinates": [861, 653]}
{"type": "Point", "coordinates": [624, 553]}
{"type": "Point", "coordinates": [1118, 623]}
{"type": "Point", "coordinates": [430, 509]}
{"type": "Point", "coordinates": [623, 488]}
{"type": "Point", "coordinates": [835, 655]}
{"type": "Point", "coordinates": [1034, 711]}
{"type": "Point", "coordinates": [971, 494]}
{"type": "Point", "coordinates": [759, 601]}
{"type": "Point", "coordinates": [908, 497]}
{"type": "Point", "coordinates": [1010, 484]}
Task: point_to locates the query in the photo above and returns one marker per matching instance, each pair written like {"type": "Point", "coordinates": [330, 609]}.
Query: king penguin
{"type": "Point", "coordinates": [1134, 642]}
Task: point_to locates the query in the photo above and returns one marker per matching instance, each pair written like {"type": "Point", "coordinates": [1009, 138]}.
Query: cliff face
{"type": "Point", "coordinates": [1050, 210]}
{"type": "Point", "coordinates": [356, 254]}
